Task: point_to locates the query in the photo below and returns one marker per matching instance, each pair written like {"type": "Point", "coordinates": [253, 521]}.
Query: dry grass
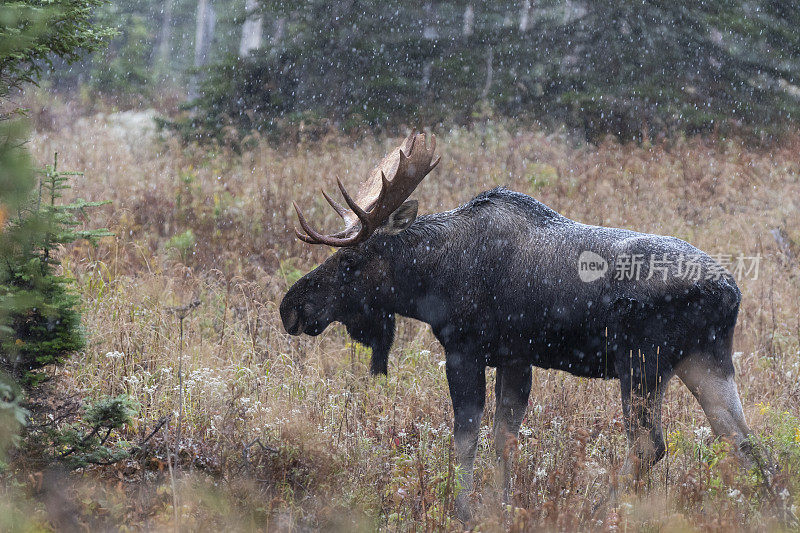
{"type": "Point", "coordinates": [342, 450]}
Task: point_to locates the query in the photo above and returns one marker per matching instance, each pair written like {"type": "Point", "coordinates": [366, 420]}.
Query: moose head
{"type": "Point", "coordinates": [355, 286]}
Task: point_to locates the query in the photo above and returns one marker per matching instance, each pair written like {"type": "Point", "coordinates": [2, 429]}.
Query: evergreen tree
{"type": "Point", "coordinates": [39, 318]}
{"type": "Point", "coordinates": [607, 66]}
{"type": "Point", "coordinates": [39, 311]}
{"type": "Point", "coordinates": [41, 322]}
{"type": "Point", "coordinates": [15, 187]}
{"type": "Point", "coordinates": [35, 32]}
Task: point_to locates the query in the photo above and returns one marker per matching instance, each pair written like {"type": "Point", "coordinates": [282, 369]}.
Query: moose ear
{"type": "Point", "coordinates": [402, 218]}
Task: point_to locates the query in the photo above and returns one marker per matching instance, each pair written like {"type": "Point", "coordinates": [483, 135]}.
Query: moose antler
{"type": "Point", "coordinates": [387, 187]}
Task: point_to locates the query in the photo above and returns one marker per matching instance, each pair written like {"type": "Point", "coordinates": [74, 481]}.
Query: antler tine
{"type": "Point", "coordinates": [413, 139]}
{"type": "Point", "coordinates": [404, 166]}
{"type": "Point", "coordinates": [315, 237]}
{"type": "Point", "coordinates": [433, 151]}
{"type": "Point", "coordinates": [402, 163]}
{"type": "Point", "coordinates": [435, 162]}
{"type": "Point", "coordinates": [384, 188]}
{"type": "Point", "coordinates": [360, 213]}
{"type": "Point", "coordinates": [312, 234]}
{"type": "Point", "coordinates": [408, 142]}
{"type": "Point", "coordinates": [340, 210]}
{"type": "Point", "coordinates": [303, 237]}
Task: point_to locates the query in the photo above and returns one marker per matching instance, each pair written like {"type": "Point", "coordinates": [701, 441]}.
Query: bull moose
{"type": "Point", "coordinates": [504, 281]}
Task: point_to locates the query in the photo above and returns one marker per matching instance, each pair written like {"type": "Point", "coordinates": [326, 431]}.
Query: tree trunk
{"type": "Point", "coordinates": [489, 74]}
{"type": "Point", "coordinates": [431, 31]}
{"type": "Point", "coordinates": [165, 36]}
{"type": "Point", "coordinates": [524, 20]}
{"type": "Point", "coordinates": [277, 37]}
{"type": "Point", "coordinates": [204, 32]}
{"type": "Point", "coordinates": [251, 30]}
{"type": "Point", "coordinates": [469, 21]}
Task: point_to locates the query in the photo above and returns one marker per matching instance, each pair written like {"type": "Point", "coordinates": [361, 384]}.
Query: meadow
{"type": "Point", "coordinates": [273, 432]}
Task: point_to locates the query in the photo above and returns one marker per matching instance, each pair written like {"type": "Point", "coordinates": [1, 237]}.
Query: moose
{"type": "Point", "coordinates": [504, 281]}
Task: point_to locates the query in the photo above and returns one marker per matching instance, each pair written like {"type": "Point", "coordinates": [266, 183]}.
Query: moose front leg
{"type": "Point", "coordinates": [512, 389]}
{"type": "Point", "coordinates": [641, 409]}
{"type": "Point", "coordinates": [467, 381]}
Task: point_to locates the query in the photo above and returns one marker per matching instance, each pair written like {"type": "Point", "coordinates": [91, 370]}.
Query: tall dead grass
{"type": "Point", "coordinates": [292, 433]}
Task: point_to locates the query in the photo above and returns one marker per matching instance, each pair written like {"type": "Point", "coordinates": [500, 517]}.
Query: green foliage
{"type": "Point", "coordinates": [290, 271]}
{"type": "Point", "coordinates": [182, 243]}
{"type": "Point", "coordinates": [240, 95]}
{"type": "Point", "coordinates": [34, 32]}
{"type": "Point", "coordinates": [41, 321]}
{"type": "Point", "coordinates": [87, 441]}
{"type": "Point", "coordinates": [16, 185]}
{"type": "Point", "coordinates": [541, 176]}
{"type": "Point", "coordinates": [12, 416]}
{"type": "Point", "coordinates": [62, 220]}
{"type": "Point", "coordinates": [44, 325]}
{"type": "Point", "coordinates": [16, 179]}
{"type": "Point", "coordinates": [783, 440]}
{"type": "Point", "coordinates": [123, 68]}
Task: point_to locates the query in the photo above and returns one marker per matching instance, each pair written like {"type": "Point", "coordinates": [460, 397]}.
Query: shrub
{"type": "Point", "coordinates": [87, 442]}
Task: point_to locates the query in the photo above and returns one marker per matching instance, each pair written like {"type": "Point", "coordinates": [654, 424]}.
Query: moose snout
{"type": "Point", "coordinates": [291, 322]}
{"type": "Point", "coordinates": [291, 318]}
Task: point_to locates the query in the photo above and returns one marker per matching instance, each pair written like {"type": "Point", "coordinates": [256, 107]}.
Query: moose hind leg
{"type": "Point", "coordinates": [715, 389]}
{"type": "Point", "coordinates": [512, 389]}
{"type": "Point", "coordinates": [467, 382]}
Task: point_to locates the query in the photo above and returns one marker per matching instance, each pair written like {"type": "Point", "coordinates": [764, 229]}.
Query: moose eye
{"type": "Point", "coordinates": [348, 265]}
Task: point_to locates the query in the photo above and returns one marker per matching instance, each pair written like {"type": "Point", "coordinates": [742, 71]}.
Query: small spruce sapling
{"type": "Point", "coordinates": [41, 323]}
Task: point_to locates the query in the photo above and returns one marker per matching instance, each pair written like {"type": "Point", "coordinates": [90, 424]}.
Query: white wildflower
{"type": "Point", "coordinates": [483, 438]}
{"type": "Point", "coordinates": [703, 432]}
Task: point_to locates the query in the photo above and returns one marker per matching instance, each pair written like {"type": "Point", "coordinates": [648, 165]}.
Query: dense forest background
{"type": "Point", "coordinates": [632, 69]}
